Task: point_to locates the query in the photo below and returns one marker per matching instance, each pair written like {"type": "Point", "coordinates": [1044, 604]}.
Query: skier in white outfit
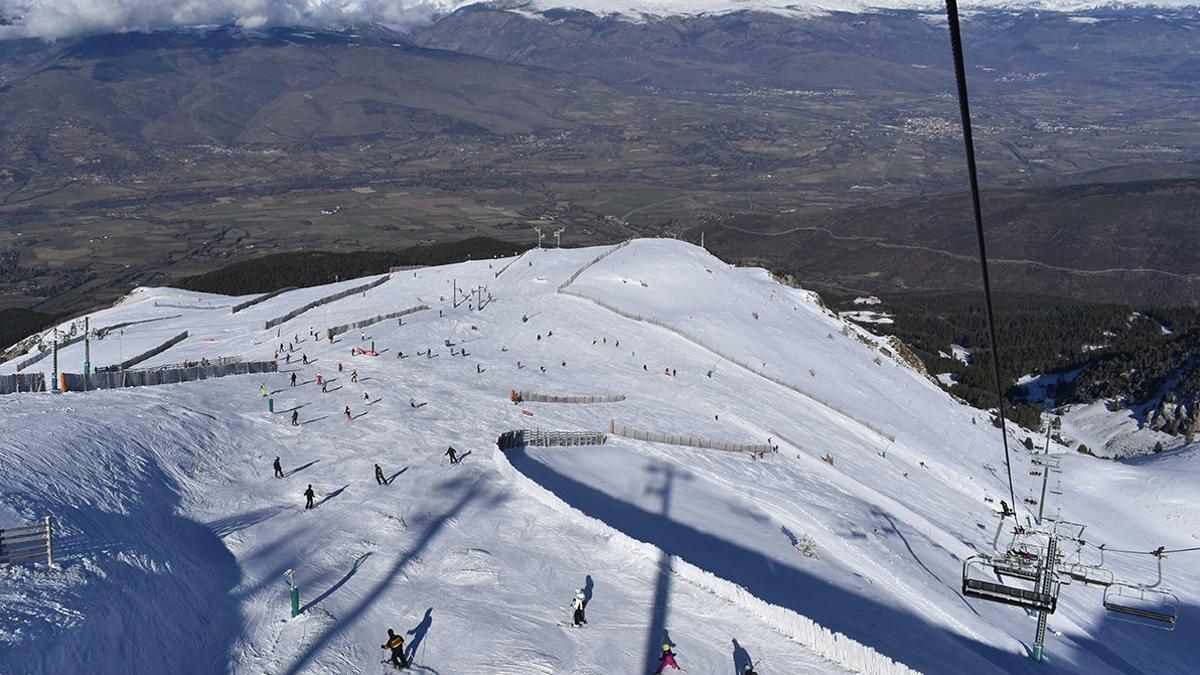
{"type": "Point", "coordinates": [577, 607]}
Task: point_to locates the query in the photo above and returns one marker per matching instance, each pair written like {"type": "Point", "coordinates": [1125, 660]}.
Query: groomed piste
{"type": "Point", "coordinates": [840, 552]}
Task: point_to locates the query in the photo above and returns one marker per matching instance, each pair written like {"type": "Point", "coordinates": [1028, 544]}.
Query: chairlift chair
{"type": "Point", "coordinates": [1141, 604]}
{"type": "Point", "coordinates": [977, 584]}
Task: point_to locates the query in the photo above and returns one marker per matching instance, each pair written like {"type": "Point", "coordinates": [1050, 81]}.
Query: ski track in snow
{"type": "Point", "coordinates": [174, 536]}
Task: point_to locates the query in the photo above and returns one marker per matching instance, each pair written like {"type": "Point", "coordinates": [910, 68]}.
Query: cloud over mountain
{"type": "Point", "coordinates": [53, 19]}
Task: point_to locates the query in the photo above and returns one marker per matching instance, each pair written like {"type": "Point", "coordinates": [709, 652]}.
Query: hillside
{"type": "Point", "coordinates": [174, 535]}
{"type": "Point", "coordinates": [140, 158]}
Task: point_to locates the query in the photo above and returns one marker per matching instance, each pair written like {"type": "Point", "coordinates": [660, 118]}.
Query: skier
{"type": "Point", "coordinates": [349, 417]}
{"type": "Point", "coordinates": [577, 606]}
{"type": "Point", "coordinates": [379, 476]}
{"type": "Point", "coordinates": [304, 359]}
{"type": "Point", "coordinates": [278, 468]}
{"type": "Point", "coordinates": [293, 379]}
{"type": "Point", "coordinates": [320, 380]}
{"type": "Point", "coordinates": [354, 376]}
{"type": "Point", "coordinates": [453, 455]}
{"type": "Point", "coordinates": [339, 366]}
{"type": "Point", "coordinates": [366, 397]}
{"type": "Point", "coordinates": [396, 644]}
{"type": "Point", "coordinates": [295, 418]}
{"type": "Point", "coordinates": [263, 389]}
{"type": "Point", "coordinates": [324, 387]}
{"type": "Point", "coordinates": [667, 659]}
{"type": "Point", "coordinates": [308, 496]}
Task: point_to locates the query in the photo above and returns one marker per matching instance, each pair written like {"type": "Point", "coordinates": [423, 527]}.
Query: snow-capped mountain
{"type": "Point", "coordinates": [51, 19]}
{"type": "Point", "coordinates": [174, 536]}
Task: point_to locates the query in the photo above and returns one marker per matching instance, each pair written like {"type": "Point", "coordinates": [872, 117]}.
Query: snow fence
{"type": "Point", "coordinates": [271, 323]}
{"type": "Point", "coordinates": [338, 330]}
{"type": "Point", "coordinates": [571, 279]}
{"type": "Point", "coordinates": [157, 376]}
{"type": "Point", "coordinates": [690, 441]}
{"type": "Point", "coordinates": [509, 264]}
{"type": "Point", "coordinates": [262, 298]}
{"type": "Point", "coordinates": [552, 398]}
{"type": "Point", "coordinates": [519, 438]}
{"type": "Point", "coordinates": [150, 353]}
{"type": "Point", "coordinates": [99, 333]}
{"type": "Point", "coordinates": [836, 647]}
{"type": "Point", "coordinates": [725, 357]}
{"type": "Point", "coordinates": [47, 352]}
{"type": "Point", "coordinates": [12, 384]}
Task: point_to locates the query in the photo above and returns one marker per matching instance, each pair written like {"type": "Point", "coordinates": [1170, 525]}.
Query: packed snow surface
{"type": "Point", "coordinates": [174, 536]}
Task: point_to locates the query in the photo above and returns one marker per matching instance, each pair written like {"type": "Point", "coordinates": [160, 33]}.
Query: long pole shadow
{"type": "Point", "coordinates": [656, 632]}
{"type": "Point", "coordinates": [340, 582]}
{"type": "Point", "coordinates": [371, 595]}
{"type": "Point", "coordinates": [908, 638]}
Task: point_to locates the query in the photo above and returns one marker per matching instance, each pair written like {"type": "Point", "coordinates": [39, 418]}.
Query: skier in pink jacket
{"type": "Point", "coordinates": [667, 659]}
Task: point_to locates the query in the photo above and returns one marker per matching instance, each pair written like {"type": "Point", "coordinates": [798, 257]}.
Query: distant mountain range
{"type": "Point", "coordinates": [142, 157]}
{"type": "Point", "coordinates": [50, 19]}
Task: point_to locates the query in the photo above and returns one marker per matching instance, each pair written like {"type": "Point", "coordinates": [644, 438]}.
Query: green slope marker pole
{"type": "Point", "coordinates": [271, 405]}
{"type": "Point", "coordinates": [291, 577]}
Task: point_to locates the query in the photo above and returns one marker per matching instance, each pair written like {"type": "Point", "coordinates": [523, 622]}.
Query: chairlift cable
{"type": "Point", "coordinates": [1155, 552]}
{"type": "Point", "coordinates": [960, 76]}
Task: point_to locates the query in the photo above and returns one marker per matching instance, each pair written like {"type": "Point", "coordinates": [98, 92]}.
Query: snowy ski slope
{"type": "Point", "coordinates": [175, 536]}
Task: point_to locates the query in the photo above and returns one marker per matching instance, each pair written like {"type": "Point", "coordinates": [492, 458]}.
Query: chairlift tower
{"type": "Point", "coordinates": [87, 347]}
{"type": "Point", "coordinates": [538, 229]}
{"type": "Point", "coordinates": [558, 237]}
{"type": "Point", "coordinates": [54, 380]}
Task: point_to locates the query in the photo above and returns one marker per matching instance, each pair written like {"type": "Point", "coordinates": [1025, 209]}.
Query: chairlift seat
{"type": "Point", "coordinates": [1144, 606]}
{"type": "Point", "coordinates": [1142, 612]}
{"type": "Point", "coordinates": [1010, 595]}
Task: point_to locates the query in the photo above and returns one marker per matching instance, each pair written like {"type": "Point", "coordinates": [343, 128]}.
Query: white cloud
{"type": "Point", "coordinates": [53, 19]}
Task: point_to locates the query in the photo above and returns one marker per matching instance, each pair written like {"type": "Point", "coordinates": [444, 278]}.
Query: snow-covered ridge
{"type": "Point", "coordinates": [173, 526]}
{"type": "Point", "coordinates": [54, 19]}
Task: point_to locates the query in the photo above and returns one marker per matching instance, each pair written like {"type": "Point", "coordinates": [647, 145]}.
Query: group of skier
{"type": "Point", "coordinates": [395, 643]}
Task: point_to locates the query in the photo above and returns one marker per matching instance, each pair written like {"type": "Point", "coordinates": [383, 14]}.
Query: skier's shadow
{"type": "Point", "coordinates": [361, 414]}
{"type": "Point", "coordinates": [374, 401]}
{"type": "Point", "coordinates": [331, 495]}
{"type": "Point", "coordinates": [304, 466]}
{"type": "Point", "coordinates": [463, 456]}
{"type": "Point", "coordinates": [315, 419]}
{"type": "Point", "coordinates": [741, 658]}
{"type": "Point", "coordinates": [395, 475]}
{"type": "Point", "coordinates": [588, 587]}
{"type": "Point", "coordinates": [418, 634]}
